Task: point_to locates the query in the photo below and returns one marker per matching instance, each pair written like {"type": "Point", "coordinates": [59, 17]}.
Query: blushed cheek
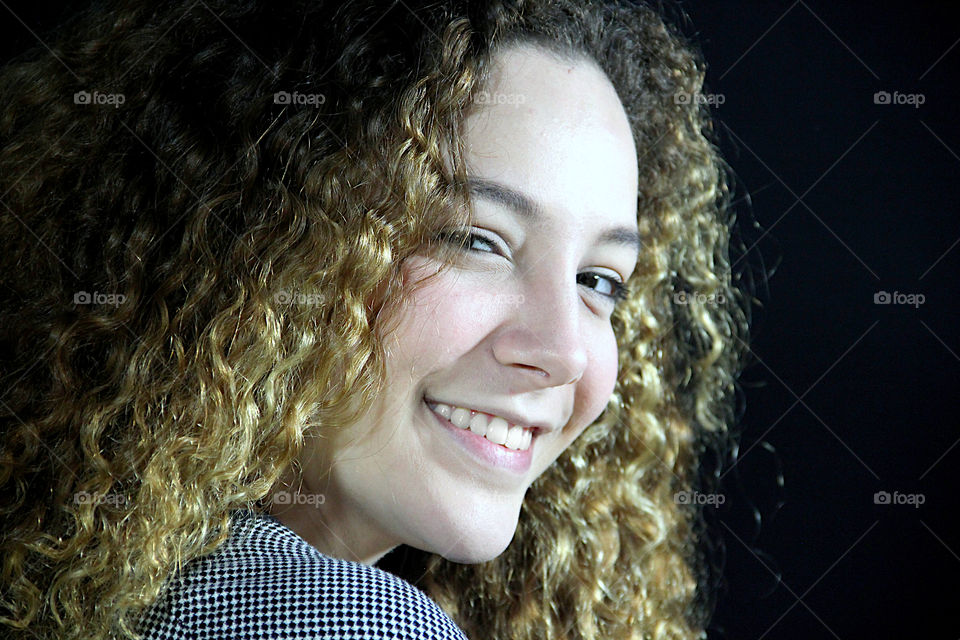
{"type": "Point", "coordinates": [596, 386]}
{"type": "Point", "coordinates": [445, 319]}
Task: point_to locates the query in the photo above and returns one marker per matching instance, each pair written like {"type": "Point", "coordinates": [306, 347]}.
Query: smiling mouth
{"type": "Point", "coordinates": [512, 437]}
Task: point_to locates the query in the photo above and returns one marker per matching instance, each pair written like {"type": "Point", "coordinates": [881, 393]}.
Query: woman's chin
{"type": "Point", "coordinates": [480, 542]}
{"type": "Point", "coordinates": [475, 552]}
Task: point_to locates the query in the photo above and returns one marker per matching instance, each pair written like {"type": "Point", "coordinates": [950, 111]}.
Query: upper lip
{"type": "Point", "coordinates": [509, 416]}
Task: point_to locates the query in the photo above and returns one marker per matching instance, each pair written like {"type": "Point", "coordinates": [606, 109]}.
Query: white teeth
{"type": "Point", "coordinates": [515, 437]}
{"type": "Point", "coordinates": [496, 430]}
{"type": "Point", "coordinates": [460, 417]}
{"type": "Point", "coordinates": [478, 424]}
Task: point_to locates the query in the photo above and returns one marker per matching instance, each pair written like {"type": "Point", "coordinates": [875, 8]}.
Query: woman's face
{"type": "Point", "coordinates": [519, 328]}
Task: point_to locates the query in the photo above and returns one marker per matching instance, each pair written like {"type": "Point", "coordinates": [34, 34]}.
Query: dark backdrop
{"type": "Point", "coordinates": [854, 192]}
{"type": "Point", "coordinates": [858, 195]}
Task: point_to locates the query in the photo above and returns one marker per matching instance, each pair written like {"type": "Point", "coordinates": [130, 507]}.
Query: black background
{"type": "Point", "coordinates": [846, 398]}
{"type": "Point", "coordinates": [854, 397]}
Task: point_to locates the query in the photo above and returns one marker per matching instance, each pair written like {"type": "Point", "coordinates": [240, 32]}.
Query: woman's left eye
{"type": "Point", "coordinates": [617, 290]}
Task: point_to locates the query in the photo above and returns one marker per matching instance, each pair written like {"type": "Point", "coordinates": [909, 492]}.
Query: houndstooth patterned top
{"type": "Point", "coordinates": [267, 583]}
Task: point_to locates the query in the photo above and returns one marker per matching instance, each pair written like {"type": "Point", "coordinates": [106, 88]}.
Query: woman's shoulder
{"type": "Point", "coordinates": [267, 582]}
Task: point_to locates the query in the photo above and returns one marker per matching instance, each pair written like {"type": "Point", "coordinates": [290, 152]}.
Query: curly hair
{"type": "Point", "coordinates": [174, 172]}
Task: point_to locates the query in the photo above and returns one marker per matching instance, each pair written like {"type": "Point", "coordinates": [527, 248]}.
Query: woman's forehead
{"type": "Point", "coordinates": [557, 131]}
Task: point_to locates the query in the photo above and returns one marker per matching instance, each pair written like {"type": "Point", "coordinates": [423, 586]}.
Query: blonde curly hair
{"type": "Point", "coordinates": [155, 379]}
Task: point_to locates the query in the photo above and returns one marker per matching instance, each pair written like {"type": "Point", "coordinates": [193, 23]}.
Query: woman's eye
{"type": "Point", "coordinates": [613, 289]}
{"type": "Point", "coordinates": [467, 240]}
{"type": "Point", "coordinates": [603, 285]}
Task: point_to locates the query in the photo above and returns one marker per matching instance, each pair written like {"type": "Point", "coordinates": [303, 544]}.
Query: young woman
{"type": "Point", "coordinates": [289, 285]}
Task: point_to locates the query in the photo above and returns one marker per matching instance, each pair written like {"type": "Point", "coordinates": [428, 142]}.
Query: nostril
{"type": "Point", "coordinates": [536, 369]}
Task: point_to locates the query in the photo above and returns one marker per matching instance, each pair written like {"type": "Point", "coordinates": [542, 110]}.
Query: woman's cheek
{"type": "Point", "coordinates": [459, 310]}
{"type": "Point", "coordinates": [592, 392]}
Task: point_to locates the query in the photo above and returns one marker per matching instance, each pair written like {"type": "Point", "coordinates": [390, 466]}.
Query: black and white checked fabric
{"type": "Point", "coordinates": [268, 583]}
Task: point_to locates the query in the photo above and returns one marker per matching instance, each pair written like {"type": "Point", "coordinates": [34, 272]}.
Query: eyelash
{"type": "Point", "coordinates": [620, 290]}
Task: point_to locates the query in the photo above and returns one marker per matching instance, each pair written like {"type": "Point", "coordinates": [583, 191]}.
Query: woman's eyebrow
{"type": "Point", "coordinates": [529, 208]}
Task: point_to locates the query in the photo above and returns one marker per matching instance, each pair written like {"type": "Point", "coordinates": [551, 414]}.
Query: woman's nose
{"type": "Point", "coordinates": [544, 332]}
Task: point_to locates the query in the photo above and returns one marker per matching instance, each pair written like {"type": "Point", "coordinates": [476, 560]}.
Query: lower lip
{"type": "Point", "coordinates": [489, 452]}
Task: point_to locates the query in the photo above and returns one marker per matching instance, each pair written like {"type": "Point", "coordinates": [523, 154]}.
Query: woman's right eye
{"type": "Point", "coordinates": [466, 240]}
